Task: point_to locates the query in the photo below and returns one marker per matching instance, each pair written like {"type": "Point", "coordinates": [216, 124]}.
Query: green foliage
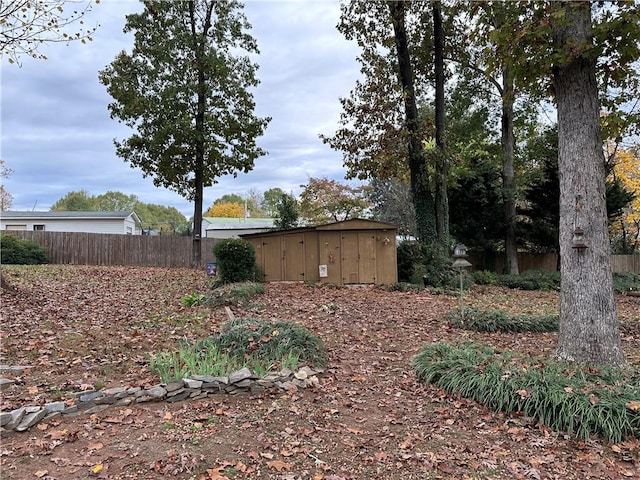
{"type": "Point", "coordinates": [193, 299]}
{"type": "Point", "coordinates": [287, 212]}
{"type": "Point", "coordinates": [269, 341]}
{"type": "Point", "coordinates": [236, 260]}
{"type": "Point", "coordinates": [439, 273]}
{"type": "Point", "coordinates": [484, 277]}
{"type": "Point", "coordinates": [238, 294]}
{"type": "Point", "coordinates": [324, 200]}
{"type": "Point", "coordinates": [409, 255]}
{"type": "Point", "coordinates": [580, 401]}
{"type": "Point", "coordinates": [404, 287]}
{"type": "Point", "coordinates": [532, 280]}
{"type": "Point", "coordinates": [14, 251]}
{"type": "Point", "coordinates": [256, 344]}
{"type": "Point", "coordinates": [496, 320]}
{"type": "Point", "coordinates": [626, 282]}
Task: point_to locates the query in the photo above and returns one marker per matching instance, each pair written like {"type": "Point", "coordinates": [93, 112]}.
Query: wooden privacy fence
{"type": "Point", "coordinates": [107, 249]}
{"type": "Point", "coordinates": [167, 251]}
{"type": "Point", "coordinates": [546, 261]}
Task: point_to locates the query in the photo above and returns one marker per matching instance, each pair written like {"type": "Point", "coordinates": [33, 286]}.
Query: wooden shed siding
{"type": "Point", "coordinates": [354, 251]}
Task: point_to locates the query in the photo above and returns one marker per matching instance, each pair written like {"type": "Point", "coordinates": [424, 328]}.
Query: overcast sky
{"type": "Point", "coordinates": [57, 135]}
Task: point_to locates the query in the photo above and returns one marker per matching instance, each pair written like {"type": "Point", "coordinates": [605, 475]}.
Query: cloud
{"type": "Point", "coordinates": [57, 135]}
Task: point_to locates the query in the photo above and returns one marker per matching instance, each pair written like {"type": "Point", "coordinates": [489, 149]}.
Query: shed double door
{"type": "Point", "coordinates": [358, 257]}
{"type": "Point", "coordinates": [283, 258]}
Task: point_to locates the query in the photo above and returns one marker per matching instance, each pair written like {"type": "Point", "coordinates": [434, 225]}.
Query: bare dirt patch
{"type": "Point", "coordinates": [86, 327]}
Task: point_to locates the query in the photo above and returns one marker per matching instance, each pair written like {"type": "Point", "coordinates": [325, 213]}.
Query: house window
{"type": "Point", "coordinates": [16, 227]}
{"type": "Point", "coordinates": [129, 231]}
{"type": "Point", "coordinates": [38, 228]}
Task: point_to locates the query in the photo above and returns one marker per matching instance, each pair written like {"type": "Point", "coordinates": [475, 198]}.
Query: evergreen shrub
{"type": "Point", "coordinates": [236, 260]}
{"type": "Point", "coordinates": [532, 280]}
{"type": "Point", "coordinates": [578, 400]}
{"type": "Point", "coordinates": [496, 320]}
{"type": "Point", "coordinates": [14, 251]}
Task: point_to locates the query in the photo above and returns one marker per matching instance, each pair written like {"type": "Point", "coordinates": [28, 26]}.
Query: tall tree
{"type": "Point", "coordinates": [185, 89]}
{"type": "Point", "coordinates": [116, 201]}
{"type": "Point", "coordinates": [441, 163]}
{"type": "Point", "coordinates": [588, 321]}
{"type": "Point", "coordinates": [25, 25]}
{"type": "Point", "coordinates": [6, 199]}
{"type": "Point", "coordinates": [420, 188]}
{"type": "Point", "coordinates": [324, 200]}
{"type": "Point", "coordinates": [76, 201]}
{"type": "Point", "coordinates": [287, 212]}
{"type": "Point", "coordinates": [270, 200]}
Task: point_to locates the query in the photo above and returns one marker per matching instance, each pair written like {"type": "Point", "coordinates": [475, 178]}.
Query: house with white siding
{"type": "Point", "coordinates": [224, 227]}
{"type": "Point", "coordinates": [121, 223]}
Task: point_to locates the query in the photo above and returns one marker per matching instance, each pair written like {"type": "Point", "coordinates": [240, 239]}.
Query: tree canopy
{"type": "Point", "coordinates": [185, 90]}
{"type": "Point", "coordinates": [157, 218]}
{"type": "Point", "coordinates": [25, 25]}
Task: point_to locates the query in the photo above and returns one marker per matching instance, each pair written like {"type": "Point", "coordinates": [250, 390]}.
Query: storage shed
{"type": "Point", "coordinates": [356, 251]}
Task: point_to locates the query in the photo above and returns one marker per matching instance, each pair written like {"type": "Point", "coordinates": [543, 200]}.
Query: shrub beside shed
{"type": "Point", "coordinates": [355, 251]}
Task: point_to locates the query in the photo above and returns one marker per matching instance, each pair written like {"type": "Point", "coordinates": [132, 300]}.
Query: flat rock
{"type": "Point", "coordinates": [30, 419]}
{"type": "Point", "coordinates": [191, 383]}
{"type": "Point", "coordinates": [240, 375]}
{"type": "Point", "coordinates": [6, 382]}
{"type": "Point", "coordinates": [156, 392]}
{"type": "Point", "coordinates": [55, 407]}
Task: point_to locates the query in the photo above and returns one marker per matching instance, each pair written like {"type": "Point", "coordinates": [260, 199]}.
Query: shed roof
{"type": "Point", "coordinates": [351, 224]}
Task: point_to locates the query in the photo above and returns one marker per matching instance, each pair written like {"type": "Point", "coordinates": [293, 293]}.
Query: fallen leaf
{"type": "Point", "coordinates": [95, 446]}
{"type": "Point", "coordinates": [279, 465]}
{"type": "Point", "coordinates": [267, 455]}
{"type": "Point", "coordinates": [41, 473]}
{"type": "Point", "coordinates": [633, 405]}
{"type": "Point", "coordinates": [97, 469]}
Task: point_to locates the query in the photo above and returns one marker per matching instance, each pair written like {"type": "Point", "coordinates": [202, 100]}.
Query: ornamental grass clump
{"type": "Point", "coordinates": [578, 400]}
{"type": "Point", "coordinates": [495, 320]}
{"type": "Point", "coordinates": [237, 294]}
{"type": "Point", "coordinates": [258, 345]}
{"type": "Point", "coordinates": [246, 337]}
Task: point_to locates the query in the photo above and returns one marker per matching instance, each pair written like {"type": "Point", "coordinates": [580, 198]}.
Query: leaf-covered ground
{"type": "Point", "coordinates": [86, 327]}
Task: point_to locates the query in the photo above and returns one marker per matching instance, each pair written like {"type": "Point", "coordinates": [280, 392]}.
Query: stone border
{"type": "Point", "coordinates": [195, 388]}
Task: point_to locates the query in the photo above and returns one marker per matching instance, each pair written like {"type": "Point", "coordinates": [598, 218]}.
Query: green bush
{"type": "Point", "coordinates": [580, 401]}
{"type": "Point", "coordinates": [236, 260]}
{"type": "Point", "coordinates": [409, 255]}
{"type": "Point", "coordinates": [14, 251]}
{"type": "Point", "coordinates": [495, 320]}
{"type": "Point", "coordinates": [485, 277]}
{"type": "Point", "coordinates": [246, 337]}
{"type": "Point", "coordinates": [404, 287]}
{"type": "Point", "coordinates": [532, 280]}
{"type": "Point", "coordinates": [626, 282]}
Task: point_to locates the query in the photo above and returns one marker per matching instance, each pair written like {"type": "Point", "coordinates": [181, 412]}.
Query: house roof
{"type": "Point", "coordinates": [226, 223]}
{"type": "Point", "coordinates": [70, 215]}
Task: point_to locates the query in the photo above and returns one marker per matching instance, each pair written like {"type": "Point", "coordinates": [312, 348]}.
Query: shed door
{"type": "Point", "coordinates": [366, 258]}
{"type": "Point", "coordinates": [350, 257]}
{"type": "Point", "coordinates": [293, 257]}
{"type": "Point", "coordinates": [358, 257]}
{"type": "Point", "coordinates": [271, 258]}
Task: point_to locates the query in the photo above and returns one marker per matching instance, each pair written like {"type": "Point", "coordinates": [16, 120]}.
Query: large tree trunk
{"type": "Point", "coordinates": [420, 188]}
{"type": "Point", "coordinates": [442, 165]}
{"type": "Point", "coordinates": [508, 176]}
{"type": "Point", "coordinates": [589, 331]}
{"type": "Point", "coordinates": [199, 40]}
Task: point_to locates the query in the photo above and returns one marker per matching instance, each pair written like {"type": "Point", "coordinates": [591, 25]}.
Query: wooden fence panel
{"type": "Point", "coordinates": [111, 249]}
{"type": "Point", "coordinates": [170, 251]}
